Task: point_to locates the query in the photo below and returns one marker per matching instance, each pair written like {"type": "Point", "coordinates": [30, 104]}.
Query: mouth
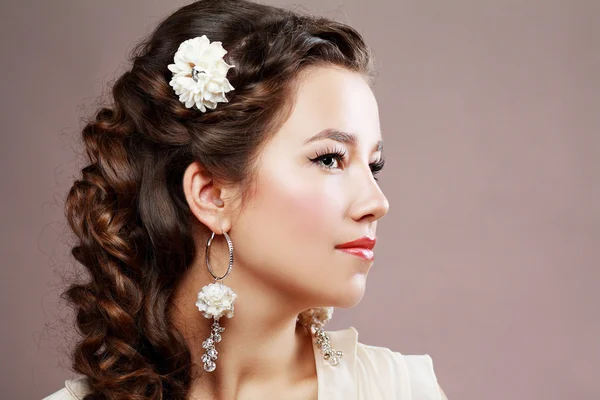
{"type": "Point", "coordinates": [361, 247]}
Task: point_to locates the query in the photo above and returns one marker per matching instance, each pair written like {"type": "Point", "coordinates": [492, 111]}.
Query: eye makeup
{"type": "Point", "coordinates": [339, 155]}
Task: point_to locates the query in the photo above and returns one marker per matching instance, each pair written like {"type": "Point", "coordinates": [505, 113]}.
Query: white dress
{"type": "Point", "coordinates": [365, 373]}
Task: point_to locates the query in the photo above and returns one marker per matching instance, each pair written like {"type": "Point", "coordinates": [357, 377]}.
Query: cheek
{"type": "Point", "coordinates": [302, 207]}
{"type": "Point", "coordinates": [288, 231]}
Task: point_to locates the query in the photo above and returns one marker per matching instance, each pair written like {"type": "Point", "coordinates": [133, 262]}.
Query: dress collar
{"type": "Point", "coordinates": [338, 382]}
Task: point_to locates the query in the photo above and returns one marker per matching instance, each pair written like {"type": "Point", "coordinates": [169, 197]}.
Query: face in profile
{"type": "Point", "coordinates": [304, 204]}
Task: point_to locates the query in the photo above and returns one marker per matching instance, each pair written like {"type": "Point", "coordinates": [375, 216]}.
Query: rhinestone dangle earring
{"type": "Point", "coordinates": [315, 319]}
{"type": "Point", "coordinates": [214, 301]}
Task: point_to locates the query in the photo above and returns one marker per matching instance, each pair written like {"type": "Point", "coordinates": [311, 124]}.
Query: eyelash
{"type": "Point", "coordinates": [339, 155]}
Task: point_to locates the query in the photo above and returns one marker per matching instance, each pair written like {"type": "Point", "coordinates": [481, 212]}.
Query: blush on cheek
{"type": "Point", "coordinates": [301, 207]}
{"type": "Point", "coordinates": [309, 214]}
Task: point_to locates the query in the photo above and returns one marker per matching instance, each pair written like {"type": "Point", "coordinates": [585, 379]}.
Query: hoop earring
{"type": "Point", "coordinates": [214, 301]}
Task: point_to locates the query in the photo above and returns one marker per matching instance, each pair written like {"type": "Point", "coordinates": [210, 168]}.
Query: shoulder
{"type": "Point", "coordinates": [411, 375]}
{"type": "Point", "coordinates": [74, 389]}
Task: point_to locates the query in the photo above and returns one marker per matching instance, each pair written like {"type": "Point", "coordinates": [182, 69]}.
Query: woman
{"type": "Point", "coordinates": [230, 202]}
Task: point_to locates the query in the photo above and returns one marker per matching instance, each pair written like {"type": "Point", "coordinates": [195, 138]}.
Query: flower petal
{"type": "Point", "coordinates": [207, 59]}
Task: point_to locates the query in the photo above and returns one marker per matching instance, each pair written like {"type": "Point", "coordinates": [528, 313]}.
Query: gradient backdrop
{"type": "Point", "coordinates": [489, 258]}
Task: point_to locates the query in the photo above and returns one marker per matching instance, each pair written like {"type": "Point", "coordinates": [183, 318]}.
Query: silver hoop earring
{"type": "Point", "coordinates": [214, 301]}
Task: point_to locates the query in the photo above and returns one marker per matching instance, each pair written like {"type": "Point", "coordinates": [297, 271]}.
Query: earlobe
{"type": "Point", "coordinates": [203, 197]}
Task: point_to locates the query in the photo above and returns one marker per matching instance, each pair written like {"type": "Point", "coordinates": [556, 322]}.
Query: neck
{"type": "Point", "coordinates": [262, 345]}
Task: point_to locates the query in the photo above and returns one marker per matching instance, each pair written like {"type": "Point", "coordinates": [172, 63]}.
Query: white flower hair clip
{"type": "Point", "coordinates": [199, 73]}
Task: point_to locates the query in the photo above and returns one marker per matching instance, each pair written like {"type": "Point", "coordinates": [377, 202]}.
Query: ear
{"type": "Point", "coordinates": [205, 199]}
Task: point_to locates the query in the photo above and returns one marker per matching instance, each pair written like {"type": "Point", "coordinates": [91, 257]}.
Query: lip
{"type": "Point", "coordinates": [366, 254]}
{"type": "Point", "coordinates": [361, 247]}
{"type": "Point", "coordinates": [364, 242]}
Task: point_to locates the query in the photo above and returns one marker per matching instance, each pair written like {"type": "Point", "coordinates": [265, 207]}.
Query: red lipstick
{"type": "Point", "coordinates": [361, 247]}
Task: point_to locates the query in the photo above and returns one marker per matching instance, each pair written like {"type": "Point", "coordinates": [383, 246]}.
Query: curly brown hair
{"type": "Point", "coordinates": [132, 223]}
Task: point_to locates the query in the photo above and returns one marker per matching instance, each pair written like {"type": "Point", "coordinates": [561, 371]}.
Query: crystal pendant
{"type": "Point", "coordinates": [210, 366]}
{"type": "Point", "coordinates": [329, 354]}
{"type": "Point", "coordinates": [211, 354]}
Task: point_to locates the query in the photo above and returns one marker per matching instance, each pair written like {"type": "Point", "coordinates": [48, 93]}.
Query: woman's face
{"type": "Point", "coordinates": [300, 209]}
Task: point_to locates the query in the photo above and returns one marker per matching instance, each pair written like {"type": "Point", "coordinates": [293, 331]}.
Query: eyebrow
{"type": "Point", "coordinates": [340, 136]}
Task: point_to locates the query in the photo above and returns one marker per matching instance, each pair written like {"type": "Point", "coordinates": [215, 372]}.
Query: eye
{"type": "Point", "coordinates": [377, 166]}
{"type": "Point", "coordinates": [326, 158]}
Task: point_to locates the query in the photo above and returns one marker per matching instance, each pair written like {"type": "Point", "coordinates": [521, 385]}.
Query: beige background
{"type": "Point", "coordinates": [489, 257]}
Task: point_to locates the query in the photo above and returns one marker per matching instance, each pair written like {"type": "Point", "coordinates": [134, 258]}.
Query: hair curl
{"type": "Point", "coordinates": [128, 211]}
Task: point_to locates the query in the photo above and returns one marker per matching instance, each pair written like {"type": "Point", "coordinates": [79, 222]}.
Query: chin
{"type": "Point", "coordinates": [351, 293]}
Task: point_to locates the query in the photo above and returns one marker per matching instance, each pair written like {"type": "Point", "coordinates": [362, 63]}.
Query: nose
{"type": "Point", "coordinates": [371, 203]}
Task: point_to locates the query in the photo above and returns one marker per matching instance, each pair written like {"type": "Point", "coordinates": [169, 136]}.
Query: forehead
{"type": "Point", "coordinates": [332, 98]}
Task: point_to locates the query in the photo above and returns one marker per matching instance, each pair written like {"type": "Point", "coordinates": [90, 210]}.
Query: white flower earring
{"type": "Point", "coordinates": [214, 301]}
